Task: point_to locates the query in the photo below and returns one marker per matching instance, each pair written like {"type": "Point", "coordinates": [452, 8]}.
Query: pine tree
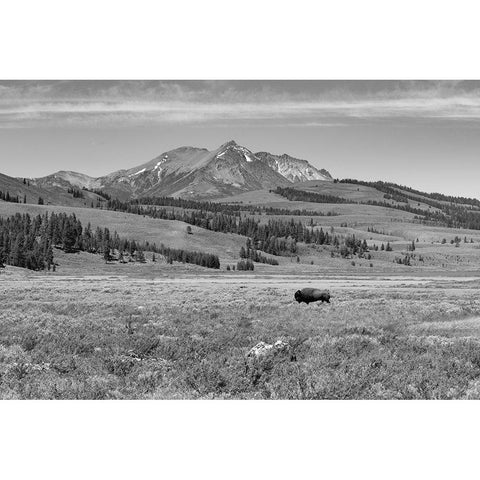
{"type": "Point", "coordinates": [49, 257]}
{"type": "Point", "coordinates": [69, 238]}
{"type": "Point", "coordinates": [140, 256]}
{"type": "Point", "coordinates": [107, 255]}
{"type": "Point", "coordinates": [3, 257]}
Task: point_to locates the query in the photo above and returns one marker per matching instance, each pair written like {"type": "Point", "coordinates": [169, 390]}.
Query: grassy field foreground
{"type": "Point", "coordinates": [65, 338]}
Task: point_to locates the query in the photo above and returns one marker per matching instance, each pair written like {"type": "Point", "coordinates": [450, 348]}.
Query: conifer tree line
{"type": "Point", "coordinates": [276, 237]}
{"type": "Point", "coordinates": [99, 192]}
{"type": "Point", "coordinates": [453, 215]}
{"type": "Point", "coordinates": [6, 197]}
{"type": "Point", "coordinates": [76, 192]}
{"type": "Point", "coordinates": [229, 208]}
{"type": "Point", "coordinates": [198, 258]}
{"type": "Point", "coordinates": [28, 242]}
{"type": "Point", "coordinates": [245, 265]}
{"type": "Point", "coordinates": [392, 188]}
{"type": "Point", "coordinates": [295, 195]}
{"type": "Point", "coordinates": [250, 252]}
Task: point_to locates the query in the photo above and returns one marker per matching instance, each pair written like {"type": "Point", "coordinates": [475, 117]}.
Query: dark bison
{"type": "Point", "coordinates": [309, 295]}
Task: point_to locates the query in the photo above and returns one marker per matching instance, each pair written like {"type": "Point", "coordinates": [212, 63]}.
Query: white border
{"type": "Point", "coordinates": [249, 39]}
{"type": "Point", "coordinates": [213, 39]}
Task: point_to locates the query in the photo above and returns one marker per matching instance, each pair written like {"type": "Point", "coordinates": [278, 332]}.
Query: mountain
{"type": "Point", "coordinates": [293, 169]}
{"type": "Point", "coordinates": [68, 179]}
{"type": "Point", "coordinates": [191, 172]}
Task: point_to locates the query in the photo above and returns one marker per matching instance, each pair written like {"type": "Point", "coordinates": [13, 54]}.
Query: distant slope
{"type": "Point", "coordinates": [360, 193]}
{"type": "Point", "coordinates": [66, 179]}
{"type": "Point", "coordinates": [50, 195]}
{"type": "Point", "coordinates": [293, 169]}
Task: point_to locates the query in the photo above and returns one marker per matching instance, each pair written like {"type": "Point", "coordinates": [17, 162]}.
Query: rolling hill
{"type": "Point", "coordinates": [53, 193]}
{"type": "Point", "coordinates": [136, 227]}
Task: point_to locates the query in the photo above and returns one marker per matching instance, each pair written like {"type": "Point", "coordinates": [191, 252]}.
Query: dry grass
{"type": "Point", "coordinates": [67, 338]}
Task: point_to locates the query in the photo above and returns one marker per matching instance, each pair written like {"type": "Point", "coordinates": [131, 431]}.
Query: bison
{"type": "Point", "coordinates": [309, 295]}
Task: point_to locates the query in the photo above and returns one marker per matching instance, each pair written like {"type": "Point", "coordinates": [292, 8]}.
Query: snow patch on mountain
{"type": "Point", "coordinates": [293, 169]}
{"type": "Point", "coordinates": [137, 173]}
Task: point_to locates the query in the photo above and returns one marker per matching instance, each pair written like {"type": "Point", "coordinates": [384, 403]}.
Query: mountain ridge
{"type": "Point", "coordinates": [193, 172]}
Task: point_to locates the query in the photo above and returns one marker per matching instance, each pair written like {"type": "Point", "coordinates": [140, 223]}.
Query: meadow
{"type": "Point", "coordinates": [83, 337]}
{"type": "Point", "coordinates": [392, 331]}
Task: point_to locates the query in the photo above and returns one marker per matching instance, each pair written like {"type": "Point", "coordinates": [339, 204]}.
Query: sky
{"type": "Point", "coordinates": [424, 134]}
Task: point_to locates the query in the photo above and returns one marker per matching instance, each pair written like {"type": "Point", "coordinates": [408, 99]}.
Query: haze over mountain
{"type": "Point", "coordinates": [192, 172]}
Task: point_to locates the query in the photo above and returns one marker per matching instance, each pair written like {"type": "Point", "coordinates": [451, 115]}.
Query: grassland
{"type": "Point", "coordinates": [67, 337]}
{"type": "Point", "coordinates": [392, 331]}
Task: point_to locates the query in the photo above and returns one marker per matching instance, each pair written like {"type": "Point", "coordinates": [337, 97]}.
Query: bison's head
{"type": "Point", "coordinates": [298, 296]}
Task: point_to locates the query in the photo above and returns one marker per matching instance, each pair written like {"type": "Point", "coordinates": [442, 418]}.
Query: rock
{"type": "Point", "coordinates": [263, 355]}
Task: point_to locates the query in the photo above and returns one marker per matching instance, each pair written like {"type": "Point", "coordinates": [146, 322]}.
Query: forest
{"type": "Point", "coordinates": [29, 242]}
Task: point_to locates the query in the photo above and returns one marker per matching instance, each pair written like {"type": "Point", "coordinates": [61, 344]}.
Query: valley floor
{"type": "Point", "coordinates": [382, 337]}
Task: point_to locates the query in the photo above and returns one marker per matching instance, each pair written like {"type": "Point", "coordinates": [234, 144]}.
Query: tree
{"type": "Point", "coordinates": [140, 256]}
{"type": "Point", "coordinates": [107, 255]}
{"type": "Point", "coordinates": [49, 256]}
{"type": "Point", "coordinates": [154, 259]}
{"type": "Point", "coordinates": [41, 201]}
{"type": "Point", "coordinates": [69, 238]}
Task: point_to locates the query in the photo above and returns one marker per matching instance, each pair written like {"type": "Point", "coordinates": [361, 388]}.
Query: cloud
{"type": "Point", "coordinates": [125, 103]}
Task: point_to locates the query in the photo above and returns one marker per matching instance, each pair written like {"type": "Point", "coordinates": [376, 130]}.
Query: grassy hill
{"type": "Point", "coordinates": [172, 233]}
{"type": "Point", "coordinates": [54, 195]}
{"type": "Point", "coordinates": [376, 225]}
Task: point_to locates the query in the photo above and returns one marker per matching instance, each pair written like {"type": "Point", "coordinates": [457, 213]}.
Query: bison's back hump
{"type": "Point", "coordinates": [311, 291]}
